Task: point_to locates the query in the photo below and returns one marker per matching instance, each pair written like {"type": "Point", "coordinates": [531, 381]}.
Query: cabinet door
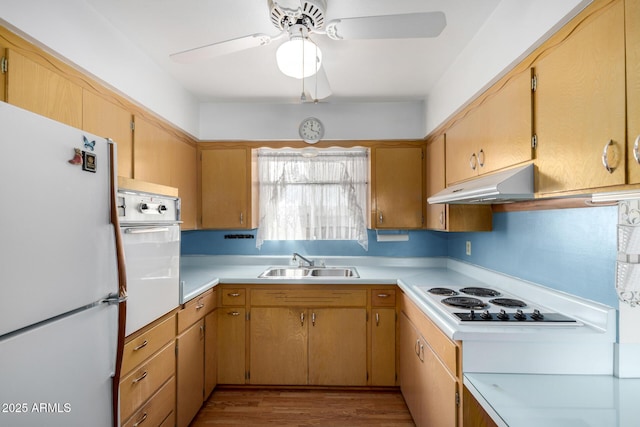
{"type": "Point", "coordinates": [38, 89]}
{"type": "Point", "coordinates": [398, 187]}
{"type": "Point", "coordinates": [151, 153]}
{"type": "Point", "coordinates": [338, 346]}
{"type": "Point", "coordinates": [231, 345]}
{"type": "Point", "coordinates": [506, 125]}
{"type": "Point", "coordinates": [278, 346]}
{"type": "Point", "coordinates": [409, 368]}
{"type": "Point", "coordinates": [493, 135]}
{"type": "Point", "coordinates": [439, 407]}
{"type": "Point", "coordinates": [225, 188]}
{"type": "Point", "coordinates": [190, 373]}
{"type": "Point", "coordinates": [632, 17]}
{"type": "Point", "coordinates": [579, 106]}
{"type": "Point", "coordinates": [210, 352]}
{"type": "Point", "coordinates": [383, 346]}
{"type": "Point", "coordinates": [436, 219]}
{"type": "Point", "coordinates": [185, 178]}
{"type": "Point", "coordinates": [104, 118]}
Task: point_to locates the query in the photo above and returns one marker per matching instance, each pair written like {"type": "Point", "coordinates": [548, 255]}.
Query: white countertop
{"type": "Point", "coordinates": [519, 400]}
{"type": "Point", "coordinates": [495, 357]}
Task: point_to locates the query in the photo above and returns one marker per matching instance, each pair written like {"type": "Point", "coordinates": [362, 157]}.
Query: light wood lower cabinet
{"type": "Point", "coordinates": [147, 384]}
{"type": "Point", "coordinates": [430, 377]}
{"type": "Point", "coordinates": [231, 345]}
{"type": "Point", "coordinates": [338, 346]}
{"type": "Point", "coordinates": [315, 346]}
{"type": "Point", "coordinates": [279, 345]}
{"type": "Point", "coordinates": [474, 414]}
{"type": "Point", "coordinates": [191, 349]}
{"type": "Point", "coordinates": [383, 327]}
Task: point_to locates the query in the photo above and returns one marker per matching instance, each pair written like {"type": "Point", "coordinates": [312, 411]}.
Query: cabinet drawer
{"type": "Point", "coordinates": [309, 297]}
{"type": "Point", "coordinates": [196, 309]}
{"type": "Point", "coordinates": [160, 407]}
{"type": "Point", "coordinates": [234, 296]}
{"type": "Point", "coordinates": [144, 381]}
{"type": "Point", "coordinates": [383, 297]}
{"type": "Point", "coordinates": [141, 347]}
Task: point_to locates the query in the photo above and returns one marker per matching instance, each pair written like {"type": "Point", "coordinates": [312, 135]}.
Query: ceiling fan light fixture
{"type": "Point", "coordinates": [299, 57]}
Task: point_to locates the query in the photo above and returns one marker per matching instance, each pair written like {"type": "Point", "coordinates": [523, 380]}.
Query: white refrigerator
{"type": "Point", "coordinates": [61, 287]}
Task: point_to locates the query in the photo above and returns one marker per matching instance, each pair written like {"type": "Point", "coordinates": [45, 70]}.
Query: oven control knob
{"type": "Point", "coordinates": [143, 207]}
{"type": "Point", "coordinates": [486, 315]}
{"type": "Point", "coordinates": [472, 314]}
{"type": "Point", "coordinates": [503, 315]}
{"type": "Point", "coordinates": [537, 315]}
{"type": "Point", "coordinates": [520, 315]}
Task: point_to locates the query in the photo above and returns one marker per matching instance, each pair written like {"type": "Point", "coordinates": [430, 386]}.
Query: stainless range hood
{"type": "Point", "coordinates": [500, 187]}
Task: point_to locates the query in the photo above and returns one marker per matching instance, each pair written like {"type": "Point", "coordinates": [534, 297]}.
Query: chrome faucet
{"type": "Point", "coordinates": [308, 261]}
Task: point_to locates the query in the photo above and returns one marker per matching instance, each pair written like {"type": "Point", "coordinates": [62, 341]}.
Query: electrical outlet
{"type": "Point", "coordinates": [468, 250]}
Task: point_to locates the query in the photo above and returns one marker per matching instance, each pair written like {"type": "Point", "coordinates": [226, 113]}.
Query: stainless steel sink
{"type": "Point", "coordinates": [308, 272]}
{"type": "Point", "coordinates": [285, 272]}
{"type": "Point", "coordinates": [334, 272]}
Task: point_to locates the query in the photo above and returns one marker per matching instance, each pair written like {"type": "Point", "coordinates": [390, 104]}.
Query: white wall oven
{"type": "Point", "coordinates": [150, 229]}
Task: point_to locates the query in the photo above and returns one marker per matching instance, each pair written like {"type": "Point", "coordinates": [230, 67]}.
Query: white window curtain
{"type": "Point", "coordinates": [313, 194]}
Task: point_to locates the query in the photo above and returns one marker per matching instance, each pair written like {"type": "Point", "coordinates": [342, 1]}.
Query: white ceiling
{"type": "Point", "coordinates": [358, 70]}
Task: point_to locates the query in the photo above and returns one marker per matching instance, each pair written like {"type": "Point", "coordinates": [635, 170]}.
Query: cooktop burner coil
{"type": "Point", "coordinates": [508, 302]}
{"type": "Point", "coordinates": [480, 292]}
{"type": "Point", "coordinates": [465, 302]}
{"type": "Point", "coordinates": [442, 291]}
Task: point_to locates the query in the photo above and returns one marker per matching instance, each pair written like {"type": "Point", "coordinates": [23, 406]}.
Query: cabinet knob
{"type": "Point", "coordinates": [233, 313]}
{"type": "Point", "coordinates": [302, 319]}
{"type": "Point", "coordinates": [241, 218]}
{"type": "Point", "coordinates": [481, 158]}
{"type": "Point", "coordinates": [636, 150]}
{"type": "Point", "coordinates": [473, 161]}
{"type": "Point", "coordinates": [141, 420]}
{"type": "Point", "coordinates": [377, 319]}
{"type": "Point", "coordinates": [140, 378]}
{"type": "Point", "coordinates": [380, 217]}
{"type": "Point", "coordinates": [441, 218]}
{"type": "Point", "coordinates": [234, 294]}
{"type": "Point", "coordinates": [383, 295]}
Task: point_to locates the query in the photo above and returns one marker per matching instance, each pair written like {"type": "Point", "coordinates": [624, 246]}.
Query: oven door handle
{"type": "Point", "coordinates": [142, 230]}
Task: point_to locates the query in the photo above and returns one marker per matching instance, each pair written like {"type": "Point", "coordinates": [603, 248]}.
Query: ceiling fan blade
{"type": "Point", "coordinates": [317, 86]}
{"type": "Point", "coordinates": [223, 48]}
{"type": "Point", "coordinates": [408, 26]}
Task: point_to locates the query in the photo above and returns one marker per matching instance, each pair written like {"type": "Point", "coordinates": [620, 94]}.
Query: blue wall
{"type": "Point", "coordinates": [572, 250]}
{"type": "Point", "coordinates": [212, 242]}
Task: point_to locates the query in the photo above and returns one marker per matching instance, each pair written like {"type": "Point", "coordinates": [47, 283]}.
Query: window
{"type": "Point", "coordinates": [313, 194]}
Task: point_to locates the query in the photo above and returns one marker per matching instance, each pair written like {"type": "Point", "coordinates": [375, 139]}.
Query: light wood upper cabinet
{"type": "Point", "coordinates": [152, 154]}
{"type": "Point", "coordinates": [494, 134]}
{"type": "Point", "coordinates": [226, 189]}
{"type": "Point", "coordinates": [446, 217]}
{"type": "Point", "coordinates": [184, 176]}
{"type": "Point", "coordinates": [397, 192]}
{"type": "Point", "coordinates": [104, 118]}
{"type": "Point", "coordinates": [163, 158]}
{"type": "Point", "coordinates": [37, 88]}
{"type": "Point", "coordinates": [579, 105]}
{"type": "Point", "coordinates": [632, 26]}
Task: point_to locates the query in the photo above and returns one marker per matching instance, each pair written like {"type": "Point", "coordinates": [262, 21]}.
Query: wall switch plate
{"type": "Point", "coordinates": [468, 248]}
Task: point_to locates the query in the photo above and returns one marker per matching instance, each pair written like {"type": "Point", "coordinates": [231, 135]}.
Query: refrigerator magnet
{"type": "Point", "coordinates": [89, 161]}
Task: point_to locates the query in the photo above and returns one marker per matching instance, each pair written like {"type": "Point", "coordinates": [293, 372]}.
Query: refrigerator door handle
{"type": "Point", "coordinates": [114, 299]}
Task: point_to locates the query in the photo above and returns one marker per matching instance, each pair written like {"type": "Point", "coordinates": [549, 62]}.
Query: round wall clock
{"type": "Point", "coordinates": [311, 130]}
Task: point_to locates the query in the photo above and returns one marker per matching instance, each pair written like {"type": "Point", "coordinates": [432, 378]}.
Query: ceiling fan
{"type": "Point", "coordinates": [298, 19]}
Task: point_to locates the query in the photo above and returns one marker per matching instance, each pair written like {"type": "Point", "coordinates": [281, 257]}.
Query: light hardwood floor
{"type": "Point", "coordinates": [241, 407]}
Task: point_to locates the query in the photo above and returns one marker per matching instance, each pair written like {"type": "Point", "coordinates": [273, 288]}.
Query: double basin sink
{"type": "Point", "coordinates": [308, 272]}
